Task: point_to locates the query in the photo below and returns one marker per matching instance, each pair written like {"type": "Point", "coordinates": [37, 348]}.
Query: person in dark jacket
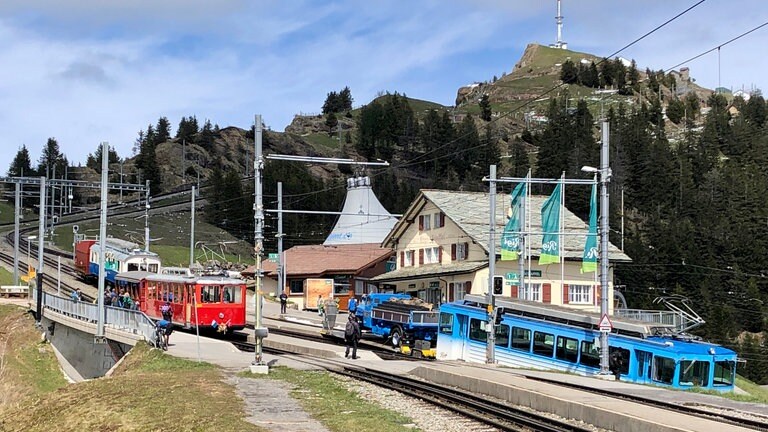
{"type": "Point", "coordinates": [352, 334]}
{"type": "Point", "coordinates": [283, 302]}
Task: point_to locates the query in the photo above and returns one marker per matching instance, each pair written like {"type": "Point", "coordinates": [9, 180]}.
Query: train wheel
{"type": "Point", "coordinates": [397, 337]}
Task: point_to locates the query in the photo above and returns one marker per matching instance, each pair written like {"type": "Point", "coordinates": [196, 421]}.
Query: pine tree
{"type": "Point", "coordinates": [52, 160]}
{"type": "Point", "coordinates": [675, 110]}
{"type": "Point", "coordinates": [21, 166]}
{"type": "Point", "coordinates": [94, 160]}
{"type": "Point", "coordinates": [569, 74]}
{"type": "Point", "coordinates": [485, 108]}
{"type": "Point", "coordinates": [163, 130]}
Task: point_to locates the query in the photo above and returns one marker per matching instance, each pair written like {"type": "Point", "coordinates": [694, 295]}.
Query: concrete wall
{"type": "Point", "coordinates": [88, 359]}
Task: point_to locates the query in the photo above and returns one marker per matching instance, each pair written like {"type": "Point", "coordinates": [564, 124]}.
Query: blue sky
{"type": "Point", "coordinates": [88, 71]}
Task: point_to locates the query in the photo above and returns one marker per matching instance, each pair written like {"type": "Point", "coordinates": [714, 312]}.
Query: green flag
{"type": "Point", "coordinates": [510, 239]}
{"type": "Point", "coordinates": [550, 224]}
{"type": "Point", "coordinates": [589, 262]}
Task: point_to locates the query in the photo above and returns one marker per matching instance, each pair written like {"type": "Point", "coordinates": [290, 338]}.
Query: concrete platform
{"type": "Point", "coordinates": [601, 411]}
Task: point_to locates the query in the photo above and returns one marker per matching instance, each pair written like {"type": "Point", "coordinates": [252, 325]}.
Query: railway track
{"type": "Point", "coordinates": [495, 414]}
{"type": "Point", "coordinates": [683, 409]}
{"type": "Point", "coordinates": [48, 281]}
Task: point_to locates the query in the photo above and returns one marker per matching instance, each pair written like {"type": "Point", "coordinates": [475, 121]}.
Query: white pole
{"type": "Point", "coordinates": [16, 222]}
{"type": "Point", "coordinates": [197, 324]}
{"type": "Point", "coordinates": [102, 240]}
{"type": "Point", "coordinates": [605, 177]}
{"type": "Point", "coordinates": [192, 232]}
{"type": "Point", "coordinates": [280, 267]}
{"type": "Point", "coordinates": [40, 247]}
{"type": "Point", "coordinates": [491, 343]}
{"type": "Point", "coordinates": [146, 220]}
{"type": "Point", "coordinates": [259, 331]}
{"type": "Point", "coordinates": [58, 275]}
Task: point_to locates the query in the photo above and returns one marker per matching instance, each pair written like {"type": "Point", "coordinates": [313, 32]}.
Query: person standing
{"type": "Point", "coordinates": [76, 295]}
{"type": "Point", "coordinates": [352, 334]}
{"type": "Point", "coordinates": [352, 305]}
{"type": "Point", "coordinates": [283, 302]}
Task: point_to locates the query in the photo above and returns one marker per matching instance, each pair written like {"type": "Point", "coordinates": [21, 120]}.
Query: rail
{"type": "Point", "coordinates": [130, 321]}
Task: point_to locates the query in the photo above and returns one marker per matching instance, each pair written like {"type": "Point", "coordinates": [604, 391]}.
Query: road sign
{"type": "Point", "coordinates": [511, 277]}
{"type": "Point", "coordinates": [273, 257]}
{"type": "Point", "coordinates": [605, 324]}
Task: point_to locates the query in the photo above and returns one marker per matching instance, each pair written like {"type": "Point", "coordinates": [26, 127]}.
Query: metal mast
{"type": "Point", "coordinates": [258, 365]}
{"type": "Point", "coordinates": [605, 178]}
{"type": "Point", "coordinates": [102, 241]}
{"type": "Point", "coordinates": [490, 355]}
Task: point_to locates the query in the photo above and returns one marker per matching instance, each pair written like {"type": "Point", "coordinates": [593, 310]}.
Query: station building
{"type": "Point", "coordinates": [441, 251]}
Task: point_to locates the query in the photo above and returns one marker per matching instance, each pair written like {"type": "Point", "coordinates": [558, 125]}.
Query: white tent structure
{"type": "Point", "coordinates": [363, 219]}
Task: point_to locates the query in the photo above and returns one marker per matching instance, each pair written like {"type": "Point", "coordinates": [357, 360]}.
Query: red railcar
{"type": "Point", "coordinates": [204, 301]}
{"type": "Point", "coordinates": [83, 258]}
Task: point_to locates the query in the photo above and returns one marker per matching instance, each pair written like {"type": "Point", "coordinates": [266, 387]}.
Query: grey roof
{"type": "Point", "coordinates": [469, 210]}
{"type": "Point", "coordinates": [430, 270]}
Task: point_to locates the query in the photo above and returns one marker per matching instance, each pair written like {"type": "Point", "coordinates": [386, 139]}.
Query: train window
{"type": "Point", "coordinates": [724, 371]}
{"type": "Point", "coordinates": [153, 268]}
{"type": "Point", "coordinates": [663, 369]}
{"type": "Point", "coordinates": [177, 293]}
{"type": "Point", "coordinates": [446, 323]}
{"type": "Point", "coordinates": [543, 344]}
{"type": "Point", "coordinates": [619, 360]}
{"type": "Point", "coordinates": [590, 357]}
{"type": "Point", "coordinates": [567, 349]}
{"type": "Point", "coordinates": [502, 335]}
{"type": "Point", "coordinates": [211, 294]}
{"type": "Point", "coordinates": [477, 330]}
{"type": "Point", "coordinates": [232, 294]}
{"type": "Point", "coordinates": [521, 339]}
{"type": "Point", "coordinates": [133, 267]}
{"type": "Point", "coordinates": [694, 373]}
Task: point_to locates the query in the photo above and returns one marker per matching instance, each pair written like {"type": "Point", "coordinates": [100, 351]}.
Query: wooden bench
{"type": "Point", "coordinates": [19, 290]}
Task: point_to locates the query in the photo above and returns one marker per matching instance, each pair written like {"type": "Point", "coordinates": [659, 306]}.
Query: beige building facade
{"type": "Point", "coordinates": [441, 247]}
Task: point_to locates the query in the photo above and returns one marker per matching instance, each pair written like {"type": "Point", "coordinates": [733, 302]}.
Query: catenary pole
{"type": "Point", "coordinates": [146, 220]}
{"type": "Point", "coordinates": [605, 177]}
{"type": "Point", "coordinates": [259, 332]}
{"type": "Point", "coordinates": [280, 269]}
{"type": "Point", "coordinates": [16, 223]}
{"type": "Point", "coordinates": [490, 346]}
{"type": "Point", "coordinates": [192, 231]}
{"type": "Point", "coordinates": [40, 247]}
{"type": "Point", "coordinates": [102, 240]}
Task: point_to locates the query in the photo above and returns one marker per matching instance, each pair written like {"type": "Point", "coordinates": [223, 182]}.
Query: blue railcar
{"type": "Point", "coordinates": [530, 335]}
{"type": "Point", "coordinates": [120, 256]}
{"type": "Point", "coordinates": [391, 316]}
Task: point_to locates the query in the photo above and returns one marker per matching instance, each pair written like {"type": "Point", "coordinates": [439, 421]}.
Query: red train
{"type": "Point", "coordinates": [204, 301]}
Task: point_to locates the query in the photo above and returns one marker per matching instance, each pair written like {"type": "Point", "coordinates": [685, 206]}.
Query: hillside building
{"type": "Point", "coordinates": [441, 249]}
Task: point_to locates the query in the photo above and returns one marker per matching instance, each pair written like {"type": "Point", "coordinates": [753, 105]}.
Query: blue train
{"type": "Point", "coordinates": [530, 335]}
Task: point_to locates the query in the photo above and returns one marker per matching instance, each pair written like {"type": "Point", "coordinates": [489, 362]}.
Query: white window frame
{"type": "Point", "coordinates": [461, 251]}
{"type": "Point", "coordinates": [431, 255]}
{"type": "Point", "coordinates": [408, 259]}
{"type": "Point", "coordinates": [427, 221]}
{"type": "Point", "coordinates": [530, 292]}
{"type": "Point", "coordinates": [580, 294]}
{"type": "Point", "coordinates": [436, 221]}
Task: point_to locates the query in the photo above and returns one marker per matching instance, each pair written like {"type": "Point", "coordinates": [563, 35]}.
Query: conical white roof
{"type": "Point", "coordinates": [364, 219]}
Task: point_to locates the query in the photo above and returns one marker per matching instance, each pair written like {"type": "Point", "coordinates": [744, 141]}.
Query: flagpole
{"type": "Point", "coordinates": [560, 230]}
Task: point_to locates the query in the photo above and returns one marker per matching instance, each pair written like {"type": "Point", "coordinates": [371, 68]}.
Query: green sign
{"type": "Point", "coordinates": [273, 257]}
{"type": "Point", "coordinates": [511, 276]}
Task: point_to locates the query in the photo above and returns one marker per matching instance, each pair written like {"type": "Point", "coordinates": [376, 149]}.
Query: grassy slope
{"type": "Point", "coordinates": [151, 391]}
{"type": "Point", "coordinates": [337, 408]}
{"type": "Point", "coordinates": [6, 212]}
{"type": "Point", "coordinates": [6, 277]}
{"type": "Point", "coordinates": [28, 368]}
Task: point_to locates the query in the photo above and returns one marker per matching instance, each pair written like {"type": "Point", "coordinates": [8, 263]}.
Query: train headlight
{"type": "Point", "coordinates": [221, 315]}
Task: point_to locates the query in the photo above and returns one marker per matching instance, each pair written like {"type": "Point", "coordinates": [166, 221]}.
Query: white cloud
{"type": "Point", "coordinates": [90, 71]}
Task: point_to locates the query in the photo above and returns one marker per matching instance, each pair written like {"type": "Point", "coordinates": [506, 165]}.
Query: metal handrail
{"type": "Point", "coordinates": [127, 320]}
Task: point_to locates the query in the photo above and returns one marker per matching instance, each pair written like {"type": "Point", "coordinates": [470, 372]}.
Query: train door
{"type": "Point", "coordinates": [643, 365]}
{"type": "Point", "coordinates": [190, 300]}
{"type": "Point", "coordinates": [463, 334]}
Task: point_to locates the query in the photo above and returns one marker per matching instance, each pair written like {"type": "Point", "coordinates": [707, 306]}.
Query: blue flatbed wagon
{"type": "Point", "coordinates": [407, 323]}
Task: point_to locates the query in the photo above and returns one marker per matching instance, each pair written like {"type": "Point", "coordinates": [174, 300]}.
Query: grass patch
{"type": "Point", "coordinates": [150, 391]}
{"type": "Point", "coordinates": [28, 368]}
{"type": "Point", "coordinates": [322, 139]}
{"type": "Point", "coordinates": [6, 277]}
{"type": "Point", "coordinates": [337, 408]}
{"type": "Point", "coordinates": [6, 212]}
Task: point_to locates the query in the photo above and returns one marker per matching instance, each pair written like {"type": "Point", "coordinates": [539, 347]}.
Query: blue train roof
{"type": "Point", "coordinates": [682, 346]}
